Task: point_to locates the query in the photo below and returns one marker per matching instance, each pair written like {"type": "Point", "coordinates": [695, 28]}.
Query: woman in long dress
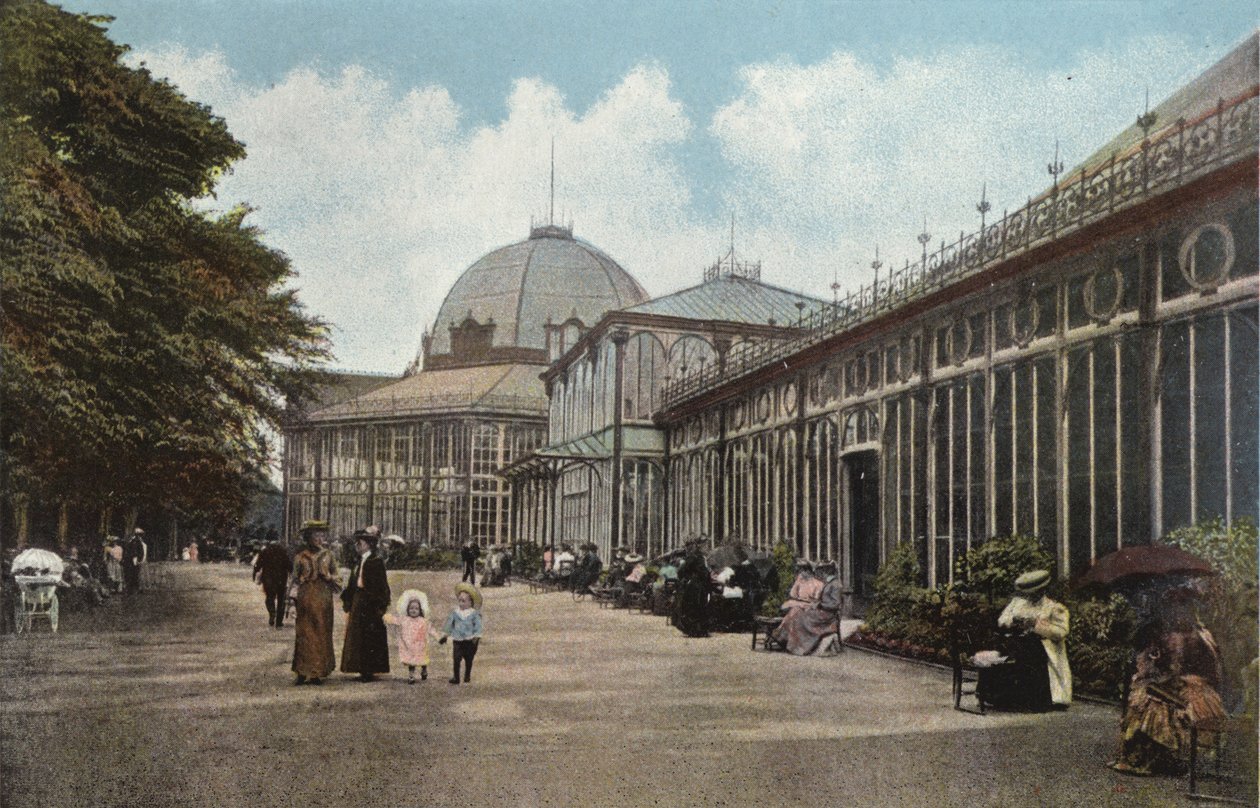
{"type": "Point", "coordinates": [316, 580]}
{"type": "Point", "coordinates": [1175, 688]}
{"type": "Point", "coordinates": [691, 604]}
{"type": "Point", "coordinates": [815, 629]}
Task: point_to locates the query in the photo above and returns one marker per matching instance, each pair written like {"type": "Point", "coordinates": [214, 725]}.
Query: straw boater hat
{"type": "Point", "coordinates": [472, 591]}
{"type": "Point", "coordinates": [312, 525]}
{"type": "Point", "coordinates": [1032, 582]}
{"type": "Point", "coordinates": [408, 596]}
{"type": "Point", "coordinates": [633, 558]}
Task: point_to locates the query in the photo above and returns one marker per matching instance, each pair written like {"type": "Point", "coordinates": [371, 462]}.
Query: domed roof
{"type": "Point", "coordinates": [551, 276]}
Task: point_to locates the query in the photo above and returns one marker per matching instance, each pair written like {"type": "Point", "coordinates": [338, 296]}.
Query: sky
{"type": "Point", "coordinates": [391, 144]}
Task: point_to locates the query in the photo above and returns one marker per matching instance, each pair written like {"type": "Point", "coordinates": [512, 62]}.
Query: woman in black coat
{"type": "Point", "coordinates": [366, 599]}
{"type": "Point", "coordinates": [691, 604]}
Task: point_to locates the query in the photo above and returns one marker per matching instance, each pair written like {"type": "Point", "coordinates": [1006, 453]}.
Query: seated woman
{"type": "Point", "coordinates": [815, 629]}
{"type": "Point", "coordinates": [1174, 688]}
{"type": "Point", "coordinates": [586, 570]}
{"type": "Point", "coordinates": [1035, 675]}
{"type": "Point", "coordinates": [630, 585]}
{"type": "Point", "coordinates": [806, 591]}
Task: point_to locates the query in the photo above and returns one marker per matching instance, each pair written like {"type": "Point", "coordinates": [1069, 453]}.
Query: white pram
{"type": "Point", "coordinates": [37, 574]}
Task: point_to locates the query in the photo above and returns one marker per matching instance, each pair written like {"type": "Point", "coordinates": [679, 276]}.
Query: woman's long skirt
{"type": "Point", "coordinates": [313, 628]}
{"type": "Point", "coordinates": [366, 649]}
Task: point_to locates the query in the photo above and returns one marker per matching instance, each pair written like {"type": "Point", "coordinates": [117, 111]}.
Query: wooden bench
{"type": "Point", "coordinates": [766, 626]}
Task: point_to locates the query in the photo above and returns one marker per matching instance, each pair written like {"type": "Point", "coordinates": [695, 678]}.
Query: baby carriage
{"type": "Point", "coordinates": [36, 574]}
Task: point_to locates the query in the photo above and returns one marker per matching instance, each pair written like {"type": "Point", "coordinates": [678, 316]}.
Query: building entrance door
{"type": "Point", "coordinates": [863, 474]}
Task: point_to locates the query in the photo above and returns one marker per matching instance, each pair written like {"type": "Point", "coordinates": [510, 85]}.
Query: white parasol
{"type": "Point", "coordinates": [38, 563]}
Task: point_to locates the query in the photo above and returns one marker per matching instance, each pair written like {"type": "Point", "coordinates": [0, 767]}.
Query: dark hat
{"type": "Point", "coordinates": [826, 565]}
{"type": "Point", "coordinates": [368, 535]}
{"type": "Point", "coordinates": [1031, 582]}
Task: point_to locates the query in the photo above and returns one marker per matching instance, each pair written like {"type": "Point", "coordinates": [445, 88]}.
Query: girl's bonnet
{"type": "Point", "coordinates": [408, 596]}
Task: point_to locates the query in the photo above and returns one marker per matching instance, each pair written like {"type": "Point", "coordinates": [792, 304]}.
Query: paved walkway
{"type": "Point", "coordinates": [182, 696]}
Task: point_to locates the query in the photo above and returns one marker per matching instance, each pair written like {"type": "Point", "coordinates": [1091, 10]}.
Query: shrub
{"type": "Point", "coordinates": [990, 569]}
{"type": "Point", "coordinates": [526, 559]}
{"type": "Point", "coordinates": [895, 591]}
{"type": "Point", "coordinates": [1229, 608]}
{"type": "Point", "coordinates": [1099, 644]}
{"type": "Point", "coordinates": [419, 557]}
{"type": "Point", "coordinates": [784, 557]}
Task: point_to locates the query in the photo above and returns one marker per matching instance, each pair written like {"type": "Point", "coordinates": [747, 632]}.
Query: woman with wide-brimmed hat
{"type": "Point", "coordinates": [313, 583]}
{"type": "Point", "coordinates": [366, 599]}
{"type": "Point", "coordinates": [1037, 676]}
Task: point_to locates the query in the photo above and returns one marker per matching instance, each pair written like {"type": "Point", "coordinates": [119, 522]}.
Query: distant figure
{"type": "Point", "coordinates": [133, 559]}
{"type": "Point", "coordinates": [315, 581]}
{"type": "Point", "coordinates": [470, 553]}
{"type": "Point", "coordinates": [271, 569]}
{"type": "Point", "coordinates": [366, 599]}
{"type": "Point", "coordinates": [194, 551]}
{"type": "Point", "coordinates": [113, 563]}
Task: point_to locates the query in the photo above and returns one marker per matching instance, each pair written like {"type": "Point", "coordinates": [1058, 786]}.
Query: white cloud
{"type": "Point", "coordinates": [836, 157]}
{"type": "Point", "coordinates": [383, 195]}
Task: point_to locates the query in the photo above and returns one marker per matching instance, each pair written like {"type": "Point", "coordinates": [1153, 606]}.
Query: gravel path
{"type": "Point", "coordinates": [182, 697]}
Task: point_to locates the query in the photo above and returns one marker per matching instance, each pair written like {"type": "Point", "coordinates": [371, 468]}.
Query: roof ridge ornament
{"type": "Point", "coordinates": [727, 267]}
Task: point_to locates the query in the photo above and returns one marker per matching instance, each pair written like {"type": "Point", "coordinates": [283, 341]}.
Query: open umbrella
{"type": "Point", "coordinates": [38, 562]}
{"type": "Point", "coordinates": [726, 555]}
{"type": "Point", "coordinates": [1131, 565]}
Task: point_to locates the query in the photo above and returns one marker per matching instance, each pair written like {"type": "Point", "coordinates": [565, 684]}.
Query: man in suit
{"type": "Point", "coordinates": [470, 554]}
{"type": "Point", "coordinates": [134, 554]}
{"type": "Point", "coordinates": [366, 599]}
{"type": "Point", "coordinates": [271, 569]}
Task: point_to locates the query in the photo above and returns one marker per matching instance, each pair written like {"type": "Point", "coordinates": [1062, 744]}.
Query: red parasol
{"type": "Point", "coordinates": [1144, 561]}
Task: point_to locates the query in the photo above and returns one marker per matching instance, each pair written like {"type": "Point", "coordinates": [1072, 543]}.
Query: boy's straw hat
{"type": "Point", "coordinates": [472, 591]}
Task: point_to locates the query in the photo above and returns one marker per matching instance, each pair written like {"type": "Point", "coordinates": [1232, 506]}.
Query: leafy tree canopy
{"type": "Point", "coordinates": [147, 344]}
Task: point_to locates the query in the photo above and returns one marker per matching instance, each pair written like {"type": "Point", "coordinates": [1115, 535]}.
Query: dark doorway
{"type": "Point", "coordinates": [863, 520]}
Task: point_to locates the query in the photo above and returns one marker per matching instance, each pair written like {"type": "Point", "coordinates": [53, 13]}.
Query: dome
{"type": "Point", "coordinates": [508, 296]}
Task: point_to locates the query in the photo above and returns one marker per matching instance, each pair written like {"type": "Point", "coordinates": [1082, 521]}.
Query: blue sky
{"type": "Point", "coordinates": [392, 143]}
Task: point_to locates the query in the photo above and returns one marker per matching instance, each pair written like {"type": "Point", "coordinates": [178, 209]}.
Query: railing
{"type": "Point", "coordinates": [1173, 157]}
{"type": "Point", "coordinates": [437, 402]}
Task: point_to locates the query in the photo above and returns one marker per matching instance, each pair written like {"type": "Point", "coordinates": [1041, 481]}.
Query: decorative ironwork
{"type": "Point", "coordinates": [434, 403]}
{"type": "Point", "coordinates": [728, 267]}
{"type": "Point", "coordinates": [1177, 155]}
{"type": "Point", "coordinates": [1191, 265]}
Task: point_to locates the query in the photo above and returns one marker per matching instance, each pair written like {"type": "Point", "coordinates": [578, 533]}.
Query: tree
{"type": "Point", "coordinates": [147, 344]}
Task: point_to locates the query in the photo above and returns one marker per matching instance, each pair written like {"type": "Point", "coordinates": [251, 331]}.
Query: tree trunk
{"type": "Point", "coordinates": [63, 525]}
{"type": "Point", "coordinates": [22, 518]}
{"type": "Point", "coordinates": [107, 516]}
{"type": "Point", "coordinates": [129, 523]}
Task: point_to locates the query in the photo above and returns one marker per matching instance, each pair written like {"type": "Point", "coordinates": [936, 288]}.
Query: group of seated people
{"type": "Point", "coordinates": [811, 613]}
{"type": "Point", "coordinates": [571, 571]}
{"type": "Point", "coordinates": [498, 566]}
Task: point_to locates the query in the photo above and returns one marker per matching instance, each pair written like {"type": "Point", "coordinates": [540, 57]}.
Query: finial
{"type": "Point", "coordinates": [1055, 166]}
{"type": "Point", "coordinates": [984, 207]}
{"type": "Point", "coordinates": [1147, 119]}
